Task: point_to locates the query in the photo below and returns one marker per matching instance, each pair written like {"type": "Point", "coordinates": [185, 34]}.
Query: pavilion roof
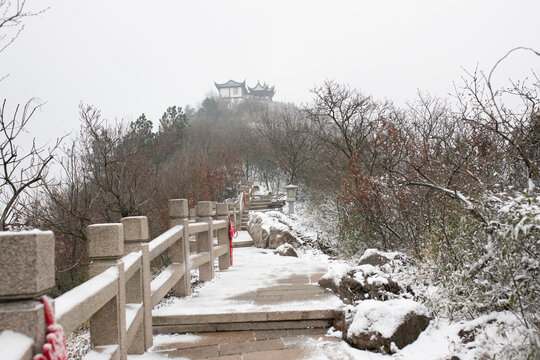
{"type": "Point", "coordinates": [230, 83]}
{"type": "Point", "coordinates": [262, 90]}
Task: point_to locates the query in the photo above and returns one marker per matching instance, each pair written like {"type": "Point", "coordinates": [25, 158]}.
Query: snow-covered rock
{"type": "Point", "coordinates": [377, 258]}
{"type": "Point", "coordinates": [260, 239]}
{"type": "Point", "coordinates": [271, 229]}
{"type": "Point", "coordinates": [386, 326]}
{"type": "Point", "coordinates": [286, 250]}
{"type": "Point", "coordinates": [361, 282]}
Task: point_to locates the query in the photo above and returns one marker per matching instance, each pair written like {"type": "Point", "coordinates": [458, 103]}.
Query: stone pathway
{"type": "Point", "coordinates": [266, 306]}
{"type": "Point", "coordinates": [250, 345]}
{"type": "Point", "coordinates": [243, 240]}
{"type": "Point", "coordinates": [258, 281]}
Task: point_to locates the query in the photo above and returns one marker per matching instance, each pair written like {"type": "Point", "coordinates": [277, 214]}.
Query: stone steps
{"type": "Point", "coordinates": [240, 244]}
{"type": "Point", "coordinates": [263, 209]}
{"type": "Point", "coordinates": [274, 320]}
{"type": "Point", "coordinates": [274, 317]}
{"type": "Point", "coordinates": [263, 320]}
{"type": "Point", "coordinates": [245, 219]}
{"type": "Point", "coordinates": [248, 345]}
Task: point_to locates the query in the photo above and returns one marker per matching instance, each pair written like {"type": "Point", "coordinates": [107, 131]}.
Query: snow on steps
{"type": "Point", "coordinates": [261, 291]}
{"type": "Point", "coordinates": [250, 345]}
{"type": "Point", "coordinates": [244, 321]}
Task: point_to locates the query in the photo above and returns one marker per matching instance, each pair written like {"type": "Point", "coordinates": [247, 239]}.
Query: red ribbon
{"type": "Point", "coordinates": [233, 233]}
{"type": "Point", "coordinates": [245, 201]}
{"type": "Point", "coordinates": [55, 345]}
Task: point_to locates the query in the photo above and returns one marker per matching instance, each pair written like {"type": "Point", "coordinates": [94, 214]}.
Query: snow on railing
{"type": "Point", "coordinates": [119, 296]}
{"type": "Point", "coordinates": [80, 303]}
{"type": "Point", "coordinates": [15, 346]}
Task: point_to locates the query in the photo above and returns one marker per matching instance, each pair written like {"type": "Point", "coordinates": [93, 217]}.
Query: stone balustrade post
{"type": "Point", "coordinates": [205, 240]}
{"type": "Point", "coordinates": [241, 205]}
{"type": "Point", "coordinates": [136, 238]}
{"type": "Point", "coordinates": [222, 211]}
{"type": "Point", "coordinates": [214, 215]}
{"type": "Point", "coordinates": [105, 248]}
{"type": "Point", "coordinates": [234, 208]}
{"type": "Point", "coordinates": [249, 195]}
{"type": "Point", "coordinates": [27, 272]}
{"type": "Point", "coordinates": [193, 213]}
{"type": "Point", "coordinates": [179, 252]}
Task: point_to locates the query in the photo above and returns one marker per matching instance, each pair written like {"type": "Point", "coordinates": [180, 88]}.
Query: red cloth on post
{"type": "Point", "coordinates": [232, 234]}
{"type": "Point", "coordinates": [55, 341]}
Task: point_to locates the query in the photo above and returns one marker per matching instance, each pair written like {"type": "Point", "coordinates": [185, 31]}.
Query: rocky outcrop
{"type": "Point", "coordinates": [362, 282]}
{"type": "Point", "coordinates": [271, 230]}
{"type": "Point", "coordinates": [286, 250]}
{"type": "Point", "coordinates": [378, 258]}
{"type": "Point", "coordinates": [260, 237]}
{"type": "Point", "coordinates": [381, 315]}
{"type": "Point", "coordinates": [385, 326]}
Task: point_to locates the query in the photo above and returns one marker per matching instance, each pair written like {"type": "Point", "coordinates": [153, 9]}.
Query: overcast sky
{"type": "Point", "coordinates": [129, 57]}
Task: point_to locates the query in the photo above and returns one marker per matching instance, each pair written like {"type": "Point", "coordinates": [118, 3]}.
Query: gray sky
{"type": "Point", "coordinates": [129, 57]}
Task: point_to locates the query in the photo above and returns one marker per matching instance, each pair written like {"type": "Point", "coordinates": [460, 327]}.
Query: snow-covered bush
{"type": "Point", "coordinates": [491, 268]}
{"type": "Point", "coordinates": [498, 267]}
{"type": "Point", "coordinates": [319, 217]}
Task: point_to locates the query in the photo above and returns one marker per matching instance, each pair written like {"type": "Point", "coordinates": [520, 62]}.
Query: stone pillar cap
{"type": "Point", "coordinates": [222, 209]}
{"type": "Point", "coordinates": [178, 208]}
{"type": "Point", "coordinates": [204, 208]}
{"type": "Point", "coordinates": [105, 241]}
{"type": "Point", "coordinates": [135, 229]}
{"type": "Point", "coordinates": [26, 264]}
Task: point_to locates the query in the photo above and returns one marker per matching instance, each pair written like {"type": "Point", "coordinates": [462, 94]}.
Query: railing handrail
{"type": "Point", "coordinates": [120, 274]}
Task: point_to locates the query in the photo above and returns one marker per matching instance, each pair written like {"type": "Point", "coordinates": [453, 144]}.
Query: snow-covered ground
{"type": "Point", "coordinates": [252, 269]}
{"type": "Point", "coordinates": [258, 268]}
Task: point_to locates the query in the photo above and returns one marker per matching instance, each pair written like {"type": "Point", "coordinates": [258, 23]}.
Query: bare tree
{"type": "Point", "coordinates": [344, 117]}
{"type": "Point", "coordinates": [12, 14]}
{"type": "Point", "coordinates": [117, 167]}
{"type": "Point", "coordinates": [21, 169]}
{"type": "Point", "coordinates": [288, 136]}
{"type": "Point", "coordinates": [512, 114]}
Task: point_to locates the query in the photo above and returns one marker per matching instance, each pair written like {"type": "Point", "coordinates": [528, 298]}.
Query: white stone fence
{"type": "Point", "coordinates": [119, 296]}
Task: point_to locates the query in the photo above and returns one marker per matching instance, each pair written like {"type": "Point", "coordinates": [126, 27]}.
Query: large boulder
{"type": "Point", "coordinates": [286, 250]}
{"type": "Point", "coordinates": [385, 326]}
{"type": "Point", "coordinates": [275, 239]}
{"type": "Point", "coordinates": [271, 230]}
{"type": "Point", "coordinates": [358, 283]}
{"type": "Point", "coordinates": [378, 258]}
{"type": "Point", "coordinates": [374, 258]}
{"type": "Point", "coordinates": [260, 237]}
{"type": "Point", "coordinates": [279, 236]}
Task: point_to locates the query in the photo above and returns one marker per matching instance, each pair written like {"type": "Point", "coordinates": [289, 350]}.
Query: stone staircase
{"type": "Point", "coordinates": [320, 319]}
{"type": "Point", "coordinates": [253, 345]}
{"type": "Point", "coordinates": [245, 219]}
{"type": "Point", "coordinates": [256, 311]}
{"type": "Point", "coordinates": [259, 203]}
{"type": "Point", "coordinates": [251, 335]}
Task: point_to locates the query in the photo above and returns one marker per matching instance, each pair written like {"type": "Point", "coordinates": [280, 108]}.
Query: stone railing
{"type": "Point", "coordinates": [247, 189]}
{"type": "Point", "coordinates": [119, 296]}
